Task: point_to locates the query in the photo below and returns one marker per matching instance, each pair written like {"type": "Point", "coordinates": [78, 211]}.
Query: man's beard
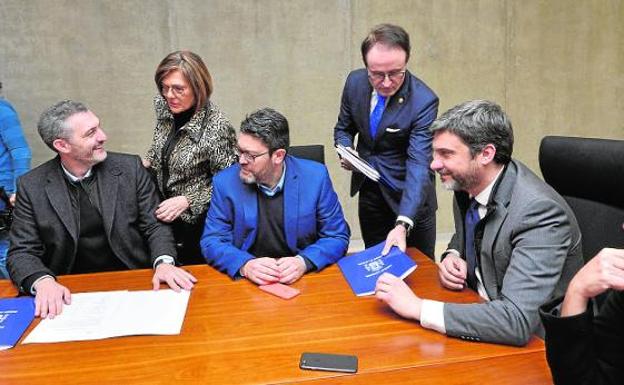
{"type": "Point", "coordinates": [100, 157]}
{"type": "Point", "coordinates": [248, 178]}
{"type": "Point", "coordinates": [461, 182]}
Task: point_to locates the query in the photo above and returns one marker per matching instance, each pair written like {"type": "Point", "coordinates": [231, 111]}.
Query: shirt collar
{"type": "Point", "coordinates": [374, 98]}
{"type": "Point", "coordinates": [74, 178]}
{"type": "Point", "coordinates": [278, 187]}
{"type": "Point", "coordinates": [484, 196]}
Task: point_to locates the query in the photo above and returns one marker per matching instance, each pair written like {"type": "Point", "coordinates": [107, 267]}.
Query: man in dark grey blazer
{"type": "Point", "coordinates": [85, 211]}
{"type": "Point", "coordinates": [516, 242]}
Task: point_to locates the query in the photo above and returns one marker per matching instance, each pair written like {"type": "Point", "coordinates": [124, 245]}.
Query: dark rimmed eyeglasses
{"type": "Point", "coordinates": [248, 157]}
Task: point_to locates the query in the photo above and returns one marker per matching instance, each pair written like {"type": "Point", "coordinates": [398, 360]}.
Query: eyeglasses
{"type": "Point", "coordinates": [177, 90]}
{"type": "Point", "coordinates": [379, 77]}
{"type": "Point", "coordinates": [248, 157]}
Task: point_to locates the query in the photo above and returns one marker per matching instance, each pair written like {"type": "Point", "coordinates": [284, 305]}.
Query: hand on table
{"type": "Point", "coordinates": [262, 271]}
{"type": "Point", "coordinates": [50, 298]}
{"type": "Point", "coordinates": [453, 272]}
{"type": "Point", "coordinates": [291, 269]}
{"type": "Point", "coordinates": [174, 276]}
{"type": "Point", "coordinates": [395, 292]}
{"type": "Point", "coordinates": [396, 237]}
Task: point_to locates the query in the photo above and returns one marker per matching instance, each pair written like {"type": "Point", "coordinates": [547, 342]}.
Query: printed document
{"type": "Point", "coordinates": [363, 166]}
{"type": "Point", "coordinates": [98, 315]}
{"type": "Point", "coordinates": [360, 164]}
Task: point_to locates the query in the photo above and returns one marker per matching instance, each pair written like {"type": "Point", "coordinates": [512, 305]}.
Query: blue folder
{"type": "Point", "coordinates": [362, 269]}
{"type": "Point", "coordinates": [15, 316]}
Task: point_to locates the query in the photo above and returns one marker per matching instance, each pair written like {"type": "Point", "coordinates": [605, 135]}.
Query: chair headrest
{"type": "Point", "coordinates": [311, 151]}
{"type": "Point", "coordinates": [586, 168]}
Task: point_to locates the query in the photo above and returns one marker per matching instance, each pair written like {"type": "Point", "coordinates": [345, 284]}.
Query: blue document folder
{"type": "Point", "coordinates": [362, 269]}
{"type": "Point", "coordinates": [15, 316]}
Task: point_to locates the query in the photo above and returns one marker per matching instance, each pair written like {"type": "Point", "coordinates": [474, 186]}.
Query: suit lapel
{"type": "Point", "coordinates": [496, 216]}
{"type": "Point", "coordinates": [291, 204]}
{"type": "Point", "coordinates": [108, 183]}
{"type": "Point", "coordinates": [249, 200]}
{"type": "Point", "coordinates": [58, 195]}
{"type": "Point", "coordinates": [495, 219]}
{"type": "Point", "coordinates": [394, 106]}
{"type": "Point", "coordinates": [363, 110]}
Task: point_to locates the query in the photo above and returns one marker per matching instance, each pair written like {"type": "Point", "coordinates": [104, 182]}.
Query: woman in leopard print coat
{"type": "Point", "coordinates": [192, 141]}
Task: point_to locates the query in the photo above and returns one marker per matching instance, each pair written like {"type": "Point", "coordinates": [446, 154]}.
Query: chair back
{"type": "Point", "coordinates": [314, 152]}
{"type": "Point", "coordinates": [589, 174]}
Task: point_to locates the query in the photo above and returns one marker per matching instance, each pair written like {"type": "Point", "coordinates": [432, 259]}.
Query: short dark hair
{"type": "Point", "coordinates": [52, 123]}
{"type": "Point", "coordinates": [269, 126]}
{"type": "Point", "coordinates": [194, 70]}
{"type": "Point", "coordinates": [479, 123]}
{"type": "Point", "coordinates": [389, 35]}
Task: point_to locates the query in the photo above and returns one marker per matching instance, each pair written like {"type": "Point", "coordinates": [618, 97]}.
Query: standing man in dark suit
{"type": "Point", "coordinates": [390, 111]}
{"type": "Point", "coordinates": [85, 211]}
{"type": "Point", "coordinates": [516, 241]}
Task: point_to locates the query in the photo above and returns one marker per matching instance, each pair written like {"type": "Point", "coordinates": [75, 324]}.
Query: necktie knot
{"type": "Point", "coordinates": [472, 214]}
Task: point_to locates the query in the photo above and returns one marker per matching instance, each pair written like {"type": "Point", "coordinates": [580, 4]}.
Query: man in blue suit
{"type": "Point", "coordinates": [390, 111]}
{"type": "Point", "coordinates": [272, 217]}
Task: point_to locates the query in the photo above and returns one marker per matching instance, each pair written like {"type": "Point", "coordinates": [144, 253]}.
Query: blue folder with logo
{"type": "Point", "coordinates": [15, 316]}
{"type": "Point", "coordinates": [362, 269]}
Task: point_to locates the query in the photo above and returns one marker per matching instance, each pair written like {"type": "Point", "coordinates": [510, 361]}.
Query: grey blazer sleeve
{"type": "Point", "coordinates": [538, 245]}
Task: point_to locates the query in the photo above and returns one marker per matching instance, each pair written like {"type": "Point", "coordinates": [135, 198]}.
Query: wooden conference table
{"type": "Point", "coordinates": [234, 333]}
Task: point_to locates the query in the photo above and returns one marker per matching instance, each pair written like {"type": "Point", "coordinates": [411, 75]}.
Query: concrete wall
{"type": "Point", "coordinates": [556, 66]}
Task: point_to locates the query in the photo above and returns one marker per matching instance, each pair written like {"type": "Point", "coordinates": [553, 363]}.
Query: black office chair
{"type": "Point", "coordinates": [589, 174]}
{"type": "Point", "coordinates": [314, 152]}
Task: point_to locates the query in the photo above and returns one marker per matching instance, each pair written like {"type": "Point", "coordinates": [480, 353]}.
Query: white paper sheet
{"type": "Point", "coordinates": [106, 314]}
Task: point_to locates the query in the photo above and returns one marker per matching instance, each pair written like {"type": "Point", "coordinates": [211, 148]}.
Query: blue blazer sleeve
{"type": "Point", "coordinates": [332, 231]}
{"type": "Point", "coordinates": [220, 242]}
{"type": "Point", "coordinates": [345, 129]}
{"type": "Point", "coordinates": [418, 160]}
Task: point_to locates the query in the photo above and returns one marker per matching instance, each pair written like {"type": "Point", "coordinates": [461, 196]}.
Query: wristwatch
{"type": "Point", "coordinates": [165, 259]}
{"type": "Point", "coordinates": [407, 226]}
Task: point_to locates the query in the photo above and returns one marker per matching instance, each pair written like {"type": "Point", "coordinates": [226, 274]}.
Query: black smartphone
{"type": "Point", "coordinates": [329, 362]}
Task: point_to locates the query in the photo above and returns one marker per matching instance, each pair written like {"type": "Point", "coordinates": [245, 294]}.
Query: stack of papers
{"type": "Point", "coordinates": [363, 166]}
{"type": "Point", "coordinates": [98, 315]}
{"type": "Point", "coordinates": [360, 164]}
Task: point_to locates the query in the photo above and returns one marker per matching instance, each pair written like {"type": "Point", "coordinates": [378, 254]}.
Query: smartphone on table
{"type": "Point", "coordinates": [329, 362]}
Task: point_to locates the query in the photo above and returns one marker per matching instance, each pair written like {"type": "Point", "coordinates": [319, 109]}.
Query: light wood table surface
{"type": "Point", "coordinates": [235, 333]}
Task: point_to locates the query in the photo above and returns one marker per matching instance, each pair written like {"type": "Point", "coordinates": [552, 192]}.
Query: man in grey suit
{"type": "Point", "coordinates": [85, 211]}
{"type": "Point", "coordinates": [516, 241]}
